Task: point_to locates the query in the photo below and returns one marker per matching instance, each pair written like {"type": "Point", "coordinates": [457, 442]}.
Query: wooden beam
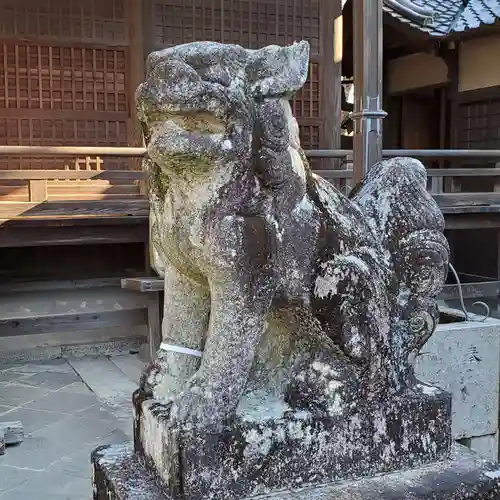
{"type": "Point", "coordinates": [126, 152]}
{"type": "Point", "coordinates": [155, 315]}
{"type": "Point", "coordinates": [93, 208]}
{"type": "Point", "coordinates": [153, 287]}
{"type": "Point", "coordinates": [134, 19]}
{"type": "Point", "coordinates": [148, 27]}
{"type": "Point", "coordinates": [449, 292]}
{"type": "Point", "coordinates": [467, 199]}
{"type": "Point", "coordinates": [143, 284]}
{"type": "Point", "coordinates": [11, 237]}
{"type": "Point", "coordinates": [59, 221]}
{"type": "Point", "coordinates": [471, 290]}
{"type": "Point", "coordinates": [104, 175]}
{"type": "Point", "coordinates": [37, 190]}
{"type": "Point", "coordinates": [450, 54]}
{"type": "Point", "coordinates": [59, 285]}
{"type": "Point", "coordinates": [72, 322]}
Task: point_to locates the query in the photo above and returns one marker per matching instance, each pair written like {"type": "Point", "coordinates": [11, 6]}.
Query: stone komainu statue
{"type": "Point", "coordinates": [279, 291]}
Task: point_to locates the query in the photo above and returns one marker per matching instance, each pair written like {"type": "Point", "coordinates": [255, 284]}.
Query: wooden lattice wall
{"type": "Point", "coordinates": [252, 24]}
{"type": "Point", "coordinates": [63, 76]}
{"type": "Point", "coordinates": [479, 124]}
{"type": "Point", "coordinates": [478, 127]}
{"type": "Point", "coordinates": [68, 68]}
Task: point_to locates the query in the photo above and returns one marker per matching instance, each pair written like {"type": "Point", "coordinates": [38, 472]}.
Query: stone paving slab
{"type": "Point", "coordinates": [32, 420]}
{"type": "Point", "coordinates": [64, 420]}
{"type": "Point", "coordinates": [50, 380]}
{"type": "Point", "coordinates": [62, 402]}
{"type": "Point", "coordinates": [17, 395]}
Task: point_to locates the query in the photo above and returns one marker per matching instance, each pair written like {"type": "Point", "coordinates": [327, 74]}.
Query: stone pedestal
{"type": "Point", "coordinates": [463, 359]}
{"type": "Point", "coordinates": [251, 457]}
{"type": "Point", "coordinates": [400, 451]}
{"type": "Point", "coordinates": [119, 475]}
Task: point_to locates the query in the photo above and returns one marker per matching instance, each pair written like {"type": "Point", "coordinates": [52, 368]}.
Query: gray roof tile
{"type": "Point", "coordinates": [451, 15]}
{"type": "Point", "coordinates": [476, 13]}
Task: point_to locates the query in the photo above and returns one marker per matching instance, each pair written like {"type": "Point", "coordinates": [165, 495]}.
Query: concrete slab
{"type": "Point", "coordinates": [6, 409]}
{"type": "Point", "coordinates": [130, 365]}
{"type": "Point", "coordinates": [11, 478]}
{"type": "Point", "coordinates": [17, 395]}
{"type": "Point", "coordinates": [33, 420]}
{"type": "Point", "coordinates": [64, 421]}
{"type": "Point", "coordinates": [62, 402]}
{"type": "Point", "coordinates": [486, 446]}
{"type": "Point", "coordinates": [77, 388]}
{"type": "Point", "coordinates": [41, 366]}
{"type": "Point", "coordinates": [49, 380]}
{"type": "Point", "coordinates": [108, 382]}
{"type": "Point", "coordinates": [8, 376]}
{"type": "Point", "coordinates": [464, 359]}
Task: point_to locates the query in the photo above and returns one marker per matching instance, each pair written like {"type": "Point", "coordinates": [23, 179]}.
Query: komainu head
{"type": "Point", "coordinates": [205, 102]}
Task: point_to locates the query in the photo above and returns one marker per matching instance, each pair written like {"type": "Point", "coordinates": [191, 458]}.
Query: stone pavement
{"type": "Point", "coordinates": [68, 408]}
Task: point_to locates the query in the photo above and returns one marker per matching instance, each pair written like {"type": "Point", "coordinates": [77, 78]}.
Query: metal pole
{"type": "Point", "coordinates": [367, 115]}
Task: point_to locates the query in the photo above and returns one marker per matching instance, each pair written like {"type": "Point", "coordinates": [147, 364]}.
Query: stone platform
{"type": "Point", "coordinates": [118, 475]}
{"type": "Point", "coordinates": [256, 454]}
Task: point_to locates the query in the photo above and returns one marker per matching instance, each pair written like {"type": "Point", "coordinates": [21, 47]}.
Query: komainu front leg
{"type": "Point", "coordinates": [242, 287]}
{"type": "Point", "coordinates": [185, 324]}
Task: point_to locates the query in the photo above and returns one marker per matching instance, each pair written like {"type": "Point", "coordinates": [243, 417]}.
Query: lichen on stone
{"type": "Point", "coordinates": [308, 305]}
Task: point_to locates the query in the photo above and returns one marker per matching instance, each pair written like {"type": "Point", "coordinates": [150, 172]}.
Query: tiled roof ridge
{"type": "Point", "coordinates": [459, 14]}
{"type": "Point", "coordinates": [441, 18]}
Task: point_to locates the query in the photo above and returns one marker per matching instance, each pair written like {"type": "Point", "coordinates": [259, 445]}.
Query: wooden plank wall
{"type": "Point", "coordinates": [68, 296]}
{"type": "Point", "coordinates": [68, 72]}
{"type": "Point", "coordinates": [62, 317]}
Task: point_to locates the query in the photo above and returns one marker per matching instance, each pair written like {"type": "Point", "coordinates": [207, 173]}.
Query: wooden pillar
{"type": "Point", "coordinates": [367, 115]}
{"type": "Point", "coordinates": [136, 70]}
{"type": "Point", "coordinates": [450, 55]}
{"type": "Point", "coordinates": [331, 51]}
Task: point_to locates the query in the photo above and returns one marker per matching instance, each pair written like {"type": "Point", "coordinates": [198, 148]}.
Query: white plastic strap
{"type": "Point", "coordinates": [183, 350]}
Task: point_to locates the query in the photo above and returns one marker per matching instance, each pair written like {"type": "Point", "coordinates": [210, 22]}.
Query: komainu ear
{"type": "Point", "coordinates": [278, 71]}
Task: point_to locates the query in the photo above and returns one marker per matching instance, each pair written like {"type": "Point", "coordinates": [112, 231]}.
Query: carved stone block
{"type": "Point", "coordinates": [119, 475]}
{"type": "Point", "coordinates": [254, 456]}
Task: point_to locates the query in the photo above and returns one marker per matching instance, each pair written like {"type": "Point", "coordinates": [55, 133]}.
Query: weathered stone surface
{"type": "Point", "coordinates": [291, 273]}
{"type": "Point", "coordinates": [464, 360]}
{"type": "Point", "coordinates": [118, 475]}
{"type": "Point", "coordinates": [2, 442]}
{"type": "Point", "coordinates": [293, 314]}
{"type": "Point", "coordinates": [13, 432]}
{"type": "Point", "coordinates": [259, 452]}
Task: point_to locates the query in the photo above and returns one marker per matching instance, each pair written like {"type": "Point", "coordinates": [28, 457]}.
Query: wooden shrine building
{"type": "Point", "coordinates": [71, 226]}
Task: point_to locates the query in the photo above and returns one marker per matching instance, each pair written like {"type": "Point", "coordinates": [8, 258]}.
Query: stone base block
{"type": "Point", "coordinates": [298, 449]}
{"type": "Point", "coordinates": [119, 475]}
{"type": "Point", "coordinates": [469, 371]}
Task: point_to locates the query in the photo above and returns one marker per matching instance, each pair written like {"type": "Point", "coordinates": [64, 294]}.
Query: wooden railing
{"type": "Point", "coordinates": [72, 193]}
{"type": "Point", "coordinates": [436, 185]}
{"type": "Point", "coordinates": [87, 190]}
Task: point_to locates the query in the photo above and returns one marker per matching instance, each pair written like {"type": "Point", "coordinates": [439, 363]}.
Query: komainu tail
{"type": "Point", "coordinates": [394, 197]}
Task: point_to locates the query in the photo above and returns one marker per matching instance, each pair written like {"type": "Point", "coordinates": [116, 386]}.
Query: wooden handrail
{"type": "Point", "coordinates": [431, 172]}
{"type": "Point", "coordinates": [127, 152]}
{"type": "Point", "coordinates": [130, 152]}
{"type": "Point", "coordinates": [105, 175]}
{"type": "Point", "coordinates": [137, 175]}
